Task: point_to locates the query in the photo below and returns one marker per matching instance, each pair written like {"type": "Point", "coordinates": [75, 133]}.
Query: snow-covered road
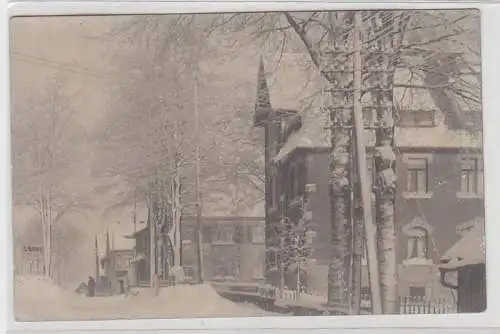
{"type": "Point", "coordinates": [40, 300]}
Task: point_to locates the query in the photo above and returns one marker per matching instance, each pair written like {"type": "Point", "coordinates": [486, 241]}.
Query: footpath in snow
{"type": "Point", "coordinates": [37, 299]}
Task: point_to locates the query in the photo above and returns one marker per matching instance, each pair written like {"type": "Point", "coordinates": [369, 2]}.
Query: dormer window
{"type": "Point", "coordinates": [418, 238]}
{"type": "Point", "coordinates": [417, 118]}
{"type": "Point", "coordinates": [418, 244]}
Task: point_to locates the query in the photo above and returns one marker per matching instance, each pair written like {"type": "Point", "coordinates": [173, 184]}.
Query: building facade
{"type": "Point", "coordinates": [232, 249]}
{"type": "Point", "coordinates": [114, 263]}
{"type": "Point", "coordinates": [32, 260]}
{"type": "Point", "coordinates": [439, 193]}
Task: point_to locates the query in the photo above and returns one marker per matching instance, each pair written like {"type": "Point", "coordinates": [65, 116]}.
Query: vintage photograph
{"type": "Point", "coordinates": [320, 163]}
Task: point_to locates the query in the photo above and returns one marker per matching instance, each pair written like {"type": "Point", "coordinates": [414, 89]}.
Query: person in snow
{"type": "Point", "coordinates": [91, 287]}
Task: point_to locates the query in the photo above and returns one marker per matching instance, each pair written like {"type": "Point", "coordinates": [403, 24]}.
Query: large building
{"type": "Point", "coordinates": [232, 249]}
{"type": "Point", "coordinates": [439, 183]}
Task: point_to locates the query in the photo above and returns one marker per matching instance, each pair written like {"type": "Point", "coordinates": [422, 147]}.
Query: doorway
{"type": "Point", "coordinates": [122, 286]}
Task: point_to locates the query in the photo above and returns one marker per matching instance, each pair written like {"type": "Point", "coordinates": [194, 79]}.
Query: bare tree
{"type": "Point", "coordinates": [152, 49]}
{"type": "Point", "coordinates": [44, 156]}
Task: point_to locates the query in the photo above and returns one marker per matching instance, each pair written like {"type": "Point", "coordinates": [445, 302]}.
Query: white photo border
{"type": "Point", "coordinates": [487, 321]}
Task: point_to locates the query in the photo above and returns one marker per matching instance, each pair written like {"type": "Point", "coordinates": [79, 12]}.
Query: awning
{"type": "Point", "coordinates": [469, 250]}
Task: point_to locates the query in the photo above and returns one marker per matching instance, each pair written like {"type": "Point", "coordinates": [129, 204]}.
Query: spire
{"type": "Point", "coordinates": [263, 100]}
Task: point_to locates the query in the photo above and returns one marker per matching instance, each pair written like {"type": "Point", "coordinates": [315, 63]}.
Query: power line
{"type": "Point", "coordinates": [75, 69]}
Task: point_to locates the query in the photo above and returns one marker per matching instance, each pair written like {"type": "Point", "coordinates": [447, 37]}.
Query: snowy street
{"type": "Point", "coordinates": [37, 299]}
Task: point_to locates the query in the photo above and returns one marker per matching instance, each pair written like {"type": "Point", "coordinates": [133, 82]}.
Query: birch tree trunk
{"type": "Point", "coordinates": [380, 64]}
{"type": "Point", "coordinates": [339, 64]}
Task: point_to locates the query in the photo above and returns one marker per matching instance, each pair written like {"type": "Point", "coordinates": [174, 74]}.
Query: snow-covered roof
{"type": "Point", "coordinates": [469, 250]}
{"type": "Point", "coordinates": [314, 134]}
{"type": "Point", "coordinates": [439, 137]}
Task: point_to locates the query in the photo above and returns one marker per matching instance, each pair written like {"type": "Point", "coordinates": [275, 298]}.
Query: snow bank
{"type": "Point", "coordinates": [37, 297]}
{"type": "Point", "coordinates": [40, 300]}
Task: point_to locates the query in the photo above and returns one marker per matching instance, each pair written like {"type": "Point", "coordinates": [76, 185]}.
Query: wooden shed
{"type": "Point", "coordinates": [463, 268]}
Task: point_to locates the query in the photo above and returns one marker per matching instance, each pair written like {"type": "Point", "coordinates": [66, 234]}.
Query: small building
{"type": "Point", "coordinates": [463, 269]}
{"type": "Point", "coordinates": [33, 261]}
{"type": "Point", "coordinates": [117, 264]}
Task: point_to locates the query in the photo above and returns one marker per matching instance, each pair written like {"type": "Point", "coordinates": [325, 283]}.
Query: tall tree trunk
{"type": "Point", "coordinates": [357, 236]}
{"type": "Point", "coordinates": [339, 65]}
{"type": "Point", "coordinates": [337, 284]}
{"type": "Point", "coordinates": [43, 222]}
{"type": "Point", "coordinates": [383, 58]}
{"type": "Point", "coordinates": [51, 236]}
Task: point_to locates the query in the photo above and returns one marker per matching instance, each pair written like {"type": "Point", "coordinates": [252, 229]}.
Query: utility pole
{"type": "Point", "coordinates": [352, 259]}
{"type": "Point", "coordinates": [151, 223]}
{"type": "Point", "coordinates": [134, 214]}
{"type": "Point", "coordinates": [357, 235]}
{"type": "Point", "coordinates": [370, 228]}
{"type": "Point", "coordinates": [199, 228]}
{"type": "Point", "coordinates": [97, 262]}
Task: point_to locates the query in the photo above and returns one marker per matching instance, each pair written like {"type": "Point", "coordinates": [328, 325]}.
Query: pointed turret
{"type": "Point", "coordinates": [263, 99]}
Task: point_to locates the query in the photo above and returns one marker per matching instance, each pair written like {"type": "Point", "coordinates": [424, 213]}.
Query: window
{"type": "Point", "coordinates": [369, 117]}
{"type": "Point", "coordinates": [271, 259]}
{"type": "Point", "coordinates": [224, 234]}
{"type": "Point", "coordinates": [258, 234]}
{"type": "Point", "coordinates": [188, 233]}
{"type": "Point", "coordinates": [273, 198]}
{"type": "Point", "coordinates": [471, 177]}
{"type": "Point", "coordinates": [273, 137]}
{"type": "Point", "coordinates": [417, 118]}
{"type": "Point", "coordinates": [364, 255]}
{"type": "Point", "coordinates": [371, 171]}
{"type": "Point", "coordinates": [417, 174]}
{"type": "Point", "coordinates": [224, 270]}
{"type": "Point", "coordinates": [188, 272]}
{"type": "Point", "coordinates": [293, 181]}
{"type": "Point", "coordinates": [301, 177]}
{"type": "Point", "coordinates": [417, 291]}
{"type": "Point", "coordinates": [239, 234]}
{"type": "Point", "coordinates": [310, 237]}
{"type": "Point", "coordinates": [418, 242]}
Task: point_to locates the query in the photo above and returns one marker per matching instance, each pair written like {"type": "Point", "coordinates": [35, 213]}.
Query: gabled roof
{"type": "Point", "coordinates": [314, 133]}
{"type": "Point", "coordinates": [469, 250]}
